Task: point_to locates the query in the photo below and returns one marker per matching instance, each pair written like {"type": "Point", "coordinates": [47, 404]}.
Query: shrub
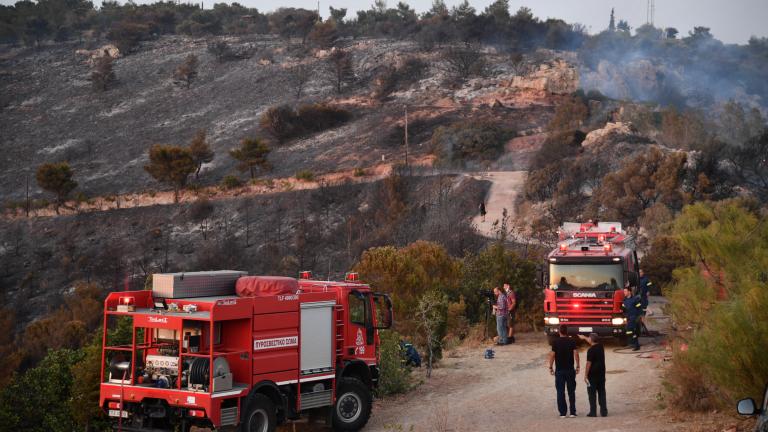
{"type": "Point", "coordinates": [186, 72]}
{"type": "Point", "coordinates": [720, 302]}
{"type": "Point", "coordinates": [462, 63]}
{"type": "Point", "coordinates": [284, 123]}
{"type": "Point", "coordinates": [360, 172]}
{"type": "Point", "coordinates": [221, 50]}
{"type": "Point", "coordinates": [172, 165]}
{"type": "Point", "coordinates": [252, 155]}
{"type": "Point", "coordinates": [46, 386]}
{"type": "Point", "coordinates": [319, 117]}
{"type": "Point", "coordinates": [126, 35]}
{"type": "Point", "coordinates": [305, 175]}
{"type": "Point", "coordinates": [280, 122]}
{"type": "Point", "coordinates": [464, 141]}
{"type": "Point", "coordinates": [103, 75]}
{"type": "Point", "coordinates": [408, 273]}
{"type": "Point", "coordinates": [558, 146]}
{"type": "Point", "coordinates": [398, 78]}
{"type": "Point", "coordinates": [665, 255]}
{"type": "Point", "coordinates": [57, 179]}
{"type": "Point", "coordinates": [230, 182]}
{"type": "Point", "coordinates": [394, 375]}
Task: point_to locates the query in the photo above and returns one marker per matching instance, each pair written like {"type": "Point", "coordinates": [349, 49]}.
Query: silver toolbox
{"type": "Point", "coordinates": [195, 284]}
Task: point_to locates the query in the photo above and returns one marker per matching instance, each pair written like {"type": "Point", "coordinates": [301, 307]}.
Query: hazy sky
{"type": "Point", "coordinates": [732, 21]}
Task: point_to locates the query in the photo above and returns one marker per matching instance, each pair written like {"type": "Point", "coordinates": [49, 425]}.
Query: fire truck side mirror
{"type": "Point", "coordinates": [383, 311]}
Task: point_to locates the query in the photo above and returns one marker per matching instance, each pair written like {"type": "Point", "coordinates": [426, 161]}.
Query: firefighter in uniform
{"type": "Point", "coordinates": [644, 285]}
{"type": "Point", "coordinates": [633, 308]}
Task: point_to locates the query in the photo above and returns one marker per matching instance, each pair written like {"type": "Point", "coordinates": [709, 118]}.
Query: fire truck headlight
{"type": "Point", "coordinates": [552, 320]}
{"type": "Point", "coordinates": [619, 321]}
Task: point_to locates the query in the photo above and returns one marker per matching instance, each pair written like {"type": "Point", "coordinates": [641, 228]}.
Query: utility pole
{"type": "Point", "coordinates": [26, 205]}
{"type": "Point", "coordinates": [406, 140]}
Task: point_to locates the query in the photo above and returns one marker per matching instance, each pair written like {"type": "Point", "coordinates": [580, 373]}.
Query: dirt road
{"type": "Point", "coordinates": [515, 391]}
{"type": "Point", "coordinates": [505, 188]}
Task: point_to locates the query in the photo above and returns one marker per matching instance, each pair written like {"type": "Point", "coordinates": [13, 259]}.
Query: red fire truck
{"type": "Point", "coordinates": [226, 351]}
{"type": "Point", "coordinates": [584, 278]}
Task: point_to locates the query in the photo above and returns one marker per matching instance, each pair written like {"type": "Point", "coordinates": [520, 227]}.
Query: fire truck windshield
{"type": "Point", "coordinates": [583, 276]}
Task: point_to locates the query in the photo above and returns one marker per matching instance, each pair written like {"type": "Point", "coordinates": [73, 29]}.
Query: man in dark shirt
{"type": "Point", "coordinates": [594, 375]}
{"type": "Point", "coordinates": [564, 355]}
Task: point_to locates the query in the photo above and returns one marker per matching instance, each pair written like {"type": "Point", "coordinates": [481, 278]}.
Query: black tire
{"type": "Point", "coordinates": [259, 415]}
{"type": "Point", "coordinates": [353, 405]}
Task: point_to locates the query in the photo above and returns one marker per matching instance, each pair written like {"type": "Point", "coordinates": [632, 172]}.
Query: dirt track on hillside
{"type": "Point", "coordinates": [506, 186]}
{"type": "Point", "coordinates": [515, 391]}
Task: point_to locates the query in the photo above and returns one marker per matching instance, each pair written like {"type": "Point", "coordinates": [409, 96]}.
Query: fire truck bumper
{"type": "Point", "coordinates": [585, 329]}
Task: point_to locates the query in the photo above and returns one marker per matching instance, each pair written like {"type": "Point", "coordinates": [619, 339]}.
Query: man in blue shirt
{"type": "Point", "coordinates": [501, 310]}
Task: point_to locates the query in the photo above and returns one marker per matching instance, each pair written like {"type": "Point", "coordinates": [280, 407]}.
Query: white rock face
{"type": "Point", "coordinates": [558, 77]}
{"type": "Point", "coordinates": [99, 52]}
{"type": "Point", "coordinates": [611, 132]}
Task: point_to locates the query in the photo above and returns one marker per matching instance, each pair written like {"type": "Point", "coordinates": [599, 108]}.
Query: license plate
{"type": "Point", "coordinates": [585, 329]}
{"type": "Point", "coordinates": [116, 413]}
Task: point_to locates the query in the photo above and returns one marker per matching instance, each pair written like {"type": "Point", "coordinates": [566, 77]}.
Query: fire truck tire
{"type": "Point", "coordinates": [353, 405]}
{"type": "Point", "coordinates": [260, 415]}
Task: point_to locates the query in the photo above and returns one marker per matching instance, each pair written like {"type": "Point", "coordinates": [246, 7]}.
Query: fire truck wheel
{"type": "Point", "coordinates": [260, 415]}
{"type": "Point", "coordinates": [353, 405]}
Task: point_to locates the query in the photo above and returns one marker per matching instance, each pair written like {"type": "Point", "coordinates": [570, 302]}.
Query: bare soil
{"type": "Point", "coordinates": [506, 186]}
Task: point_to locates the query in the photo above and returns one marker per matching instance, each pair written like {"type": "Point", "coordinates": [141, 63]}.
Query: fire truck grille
{"type": "Point", "coordinates": [316, 399]}
{"type": "Point", "coordinates": [585, 311]}
{"type": "Point", "coordinates": [229, 416]}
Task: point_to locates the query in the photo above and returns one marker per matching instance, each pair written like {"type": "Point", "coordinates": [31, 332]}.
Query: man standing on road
{"type": "Point", "coordinates": [481, 208]}
{"type": "Point", "coordinates": [564, 355]}
{"type": "Point", "coordinates": [632, 307]}
{"type": "Point", "coordinates": [594, 375]}
{"type": "Point", "coordinates": [501, 310]}
{"type": "Point", "coordinates": [512, 306]}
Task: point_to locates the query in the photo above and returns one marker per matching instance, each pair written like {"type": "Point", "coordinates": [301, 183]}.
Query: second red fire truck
{"type": "Point", "coordinates": [227, 351]}
{"type": "Point", "coordinates": [584, 278]}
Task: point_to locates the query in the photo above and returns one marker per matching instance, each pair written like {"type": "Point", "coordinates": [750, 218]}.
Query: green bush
{"type": "Point", "coordinates": [719, 303]}
{"type": "Point", "coordinates": [464, 141]}
{"type": "Point", "coordinates": [394, 374]}
{"type": "Point", "coordinates": [360, 172]}
{"type": "Point", "coordinates": [230, 182]}
{"type": "Point", "coordinates": [37, 399]}
{"type": "Point", "coordinates": [305, 175]}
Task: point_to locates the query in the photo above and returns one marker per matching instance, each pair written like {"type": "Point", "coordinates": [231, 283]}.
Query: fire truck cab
{"type": "Point", "coordinates": [584, 277]}
{"type": "Point", "coordinates": [261, 351]}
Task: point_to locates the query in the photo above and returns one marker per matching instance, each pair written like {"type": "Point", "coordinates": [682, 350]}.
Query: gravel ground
{"type": "Point", "coordinates": [515, 391]}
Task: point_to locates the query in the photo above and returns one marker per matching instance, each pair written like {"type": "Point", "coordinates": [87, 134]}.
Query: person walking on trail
{"type": "Point", "coordinates": [512, 306]}
{"type": "Point", "coordinates": [481, 208]}
{"type": "Point", "coordinates": [594, 375]}
{"type": "Point", "coordinates": [501, 311]}
{"type": "Point", "coordinates": [564, 355]}
{"type": "Point", "coordinates": [632, 307]}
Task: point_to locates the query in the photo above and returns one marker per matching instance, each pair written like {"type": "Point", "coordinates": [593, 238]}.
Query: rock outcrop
{"type": "Point", "coordinates": [92, 55]}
